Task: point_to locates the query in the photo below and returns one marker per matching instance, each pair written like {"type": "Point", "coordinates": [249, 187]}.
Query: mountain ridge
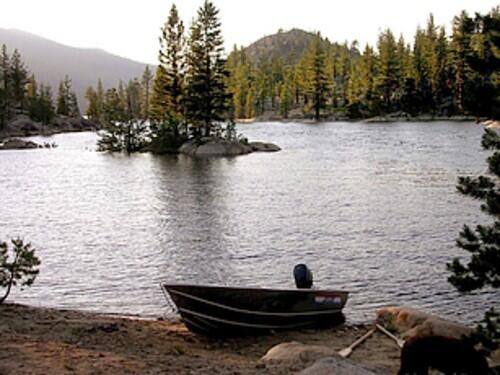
{"type": "Point", "coordinates": [83, 65]}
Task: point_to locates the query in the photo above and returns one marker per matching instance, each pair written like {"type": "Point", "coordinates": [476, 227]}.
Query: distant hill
{"type": "Point", "coordinates": [50, 61]}
{"type": "Point", "coordinates": [287, 45]}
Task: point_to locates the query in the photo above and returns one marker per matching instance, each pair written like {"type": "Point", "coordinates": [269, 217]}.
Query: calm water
{"type": "Point", "coordinates": [370, 208]}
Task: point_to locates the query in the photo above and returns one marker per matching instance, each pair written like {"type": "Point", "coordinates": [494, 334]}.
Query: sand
{"type": "Point", "coordinates": [48, 341]}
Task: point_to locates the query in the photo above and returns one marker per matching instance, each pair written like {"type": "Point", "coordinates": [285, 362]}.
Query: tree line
{"type": "Point", "coordinates": [437, 74]}
{"type": "Point", "coordinates": [195, 89]}
{"type": "Point", "coordinates": [20, 93]}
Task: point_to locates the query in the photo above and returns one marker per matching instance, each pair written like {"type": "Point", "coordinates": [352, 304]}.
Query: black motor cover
{"type": "Point", "coordinates": [303, 276]}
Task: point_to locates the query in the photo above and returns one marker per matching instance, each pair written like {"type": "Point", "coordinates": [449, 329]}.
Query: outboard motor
{"type": "Point", "coordinates": [303, 276]}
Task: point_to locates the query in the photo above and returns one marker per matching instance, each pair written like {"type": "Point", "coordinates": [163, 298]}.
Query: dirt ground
{"type": "Point", "coordinates": [48, 341]}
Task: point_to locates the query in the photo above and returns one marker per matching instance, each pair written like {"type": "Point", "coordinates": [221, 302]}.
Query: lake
{"type": "Point", "coordinates": [371, 208]}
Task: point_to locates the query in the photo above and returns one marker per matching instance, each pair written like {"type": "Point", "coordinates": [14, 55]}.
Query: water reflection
{"type": "Point", "coordinates": [193, 220]}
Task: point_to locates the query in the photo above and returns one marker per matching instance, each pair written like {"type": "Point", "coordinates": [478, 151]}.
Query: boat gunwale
{"type": "Point", "coordinates": [254, 289]}
{"type": "Point", "coordinates": [256, 312]}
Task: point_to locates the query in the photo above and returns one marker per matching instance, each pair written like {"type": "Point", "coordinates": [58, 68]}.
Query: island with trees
{"type": "Point", "coordinates": [186, 108]}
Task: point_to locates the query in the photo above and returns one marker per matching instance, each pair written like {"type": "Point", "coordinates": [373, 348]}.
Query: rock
{"type": "Point", "coordinates": [18, 144]}
{"type": "Point", "coordinates": [338, 366]}
{"type": "Point", "coordinates": [415, 323]}
{"type": "Point", "coordinates": [296, 352]}
{"type": "Point", "coordinates": [214, 147]}
{"type": "Point", "coordinates": [22, 125]}
{"type": "Point", "coordinates": [263, 147]}
{"type": "Point", "coordinates": [72, 124]}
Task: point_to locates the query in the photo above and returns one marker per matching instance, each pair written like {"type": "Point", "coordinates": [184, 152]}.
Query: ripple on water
{"type": "Point", "coordinates": [370, 208]}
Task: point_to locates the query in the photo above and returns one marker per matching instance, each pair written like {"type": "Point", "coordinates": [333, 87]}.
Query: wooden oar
{"type": "Point", "coordinates": [399, 341]}
{"type": "Point", "coordinates": [344, 353]}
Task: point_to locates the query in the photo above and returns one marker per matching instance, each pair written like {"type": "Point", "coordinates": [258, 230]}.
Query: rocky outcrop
{"type": "Point", "coordinates": [338, 366]}
{"type": "Point", "coordinates": [209, 147]}
{"type": "Point", "coordinates": [18, 144]}
{"type": "Point", "coordinates": [23, 126]}
{"type": "Point", "coordinates": [214, 147]}
{"type": "Point", "coordinates": [62, 124]}
{"type": "Point", "coordinates": [263, 147]}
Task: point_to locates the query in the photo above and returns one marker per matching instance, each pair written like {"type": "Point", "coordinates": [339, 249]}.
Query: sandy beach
{"type": "Point", "coordinates": [48, 341]}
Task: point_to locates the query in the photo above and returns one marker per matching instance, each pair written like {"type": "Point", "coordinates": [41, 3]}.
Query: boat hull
{"type": "Point", "coordinates": [225, 311]}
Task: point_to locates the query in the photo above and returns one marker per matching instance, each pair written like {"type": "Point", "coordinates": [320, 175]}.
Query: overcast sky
{"type": "Point", "coordinates": [130, 28]}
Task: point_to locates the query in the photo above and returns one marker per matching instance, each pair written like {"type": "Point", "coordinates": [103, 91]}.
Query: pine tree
{"type": "Point", "coordinates": [250, 103]}
{"type": "Point", "coordinates": [92, 112]}
{"type": "Point", "coordinates": [386, 81]}
{"type": "Point", "coordinates": [286, 94]}
{"type": "Point", "coordinates": [463, 28]}
{"type": "Point", "coordinates": [19, 80]}
{"type": "Point", "coordinates": [67, 103]}
{"type": "Point", "coordinates": [168, 85]}
{"type": "Point", "coordinates": [147, 78]}
{"type": "Point", "coordinates": [207, 100]}
{"type": "Point", "coordinates": [62, 97]}
{"type": "Point", "coordinates": [360, 90]}
{"type": "Point", "coordinates": [123, 127]}
{"type": "Point", "coordinates": [46, 106]}
{"type": "Point", "coordinates": [483, 84]}
{"type": "Point", "coordinates": [483, 242]}
{"type": "Point", "coordinates": [5, 88]}
{"type": "Point", "coordinates": [100, 97]}
{"type": "Point", "coordinates": [318, 82]}
{"type": "Point", "coordinates": [32, 98]}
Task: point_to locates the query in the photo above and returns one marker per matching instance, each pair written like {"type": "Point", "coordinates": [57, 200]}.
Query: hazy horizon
{"type": "Point", "coordinates": [128, 30]}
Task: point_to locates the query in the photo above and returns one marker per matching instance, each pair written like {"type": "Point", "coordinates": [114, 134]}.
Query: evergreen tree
{"type": "Point", "coordinates": [360, 91]}
{"type": "Point", "coordinates": [46, 109]}
{"type": "Point", "coordinates": [286, 94]}
{"type": "Point", "coordinates": [483, 85]}
{"type": "Point", "coordinates": [19, 81]}
{"type": "Point", "coordinates": [250, 103]}
{"type": "Point", "coordinates": [318, 82]}
{"type": "Point", "coordinates": [483, 242]}
{"type": "Point", "coordinates": [207, 100]}
{"type": "Point", "coordinates": [386, 81]}
{"type": "Point", "coordinates": [463, 28]}
{"type": "Point", "coordinates": [32, 98]}
{"type": "Point", "coordinates": [5, 88]}
{"type": "Point", "coordinates": [92, 112]}
{"type": "Point", "coordinates": [67, 103]}
{"type": "Point", "coordinates": [63, 97]}
{"type": "Point", "coordinates": [147, 78]}
{"type": "Point", "coordinates": [168, 85]}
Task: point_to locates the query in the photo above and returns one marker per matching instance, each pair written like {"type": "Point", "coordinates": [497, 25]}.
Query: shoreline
{"type": "Point", "coordinates": [37, 340]}
{"type": "Point", "coordinates": [370, 120]}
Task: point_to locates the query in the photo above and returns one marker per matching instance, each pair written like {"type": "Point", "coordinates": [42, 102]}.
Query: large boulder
{"type": "Point", "coordinates": [338, 366]}
{"type": "Point", "coordinates": [72, 124]}
{"type": "Point", "coordinates": [296, 352]}
{"type": "Point", "coordinates": [214, 147]}
{"type": "Point", "coordinates": [264, 147]}
{"type": "Point", "coordinates": [22, 125]}
{"type": "Point", "coordinates": [18, 144]}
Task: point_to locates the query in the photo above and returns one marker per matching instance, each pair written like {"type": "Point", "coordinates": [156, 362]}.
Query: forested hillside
{"type": "Point", "coordinates": [301, 74]}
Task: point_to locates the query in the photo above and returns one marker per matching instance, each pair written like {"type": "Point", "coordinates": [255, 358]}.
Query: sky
{"type": "Point", "coordinates": [130, 28]}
